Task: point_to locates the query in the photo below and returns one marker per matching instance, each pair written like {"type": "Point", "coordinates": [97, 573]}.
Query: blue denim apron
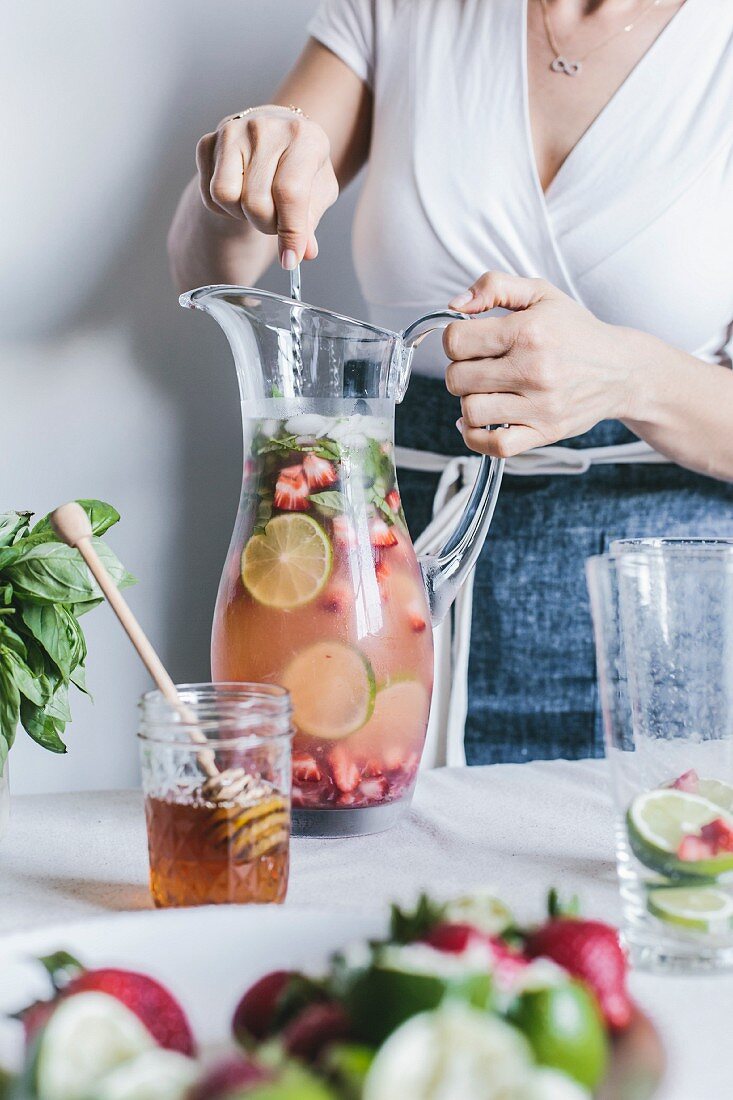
{"type": "Point", "coordinates": [532, 682]}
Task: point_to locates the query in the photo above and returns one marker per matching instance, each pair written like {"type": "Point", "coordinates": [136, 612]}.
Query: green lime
{"type": "Point", "coordinates": [400, 984]}
{"type": "Point", "coordinates": [293, 1083]}
{"type": "Point", "coordinates": [565, 1030]}
{"type": "Point", "coordinates": [347, 1065]}
{"type": "Point", "coordinates": [156, 1075]}
{"type": "Point", "coordinates": [481, 910]}
{"type": "Point", "coordinates": [332, 690]}
{"type": "Point", "coordinates": [657, 822]}
{"type": "Point", "coordinates": [87, 1036]}
{"type": "Point", "coordinates": [287, 565]}
{"type": "Point", "coordinates": [453, 1051]}
{"type": "Point", "coordinates": [703, 908]}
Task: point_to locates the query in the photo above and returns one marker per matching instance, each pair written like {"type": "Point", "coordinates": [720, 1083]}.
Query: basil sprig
{"type": "Point", "coordinates": [44, 588]}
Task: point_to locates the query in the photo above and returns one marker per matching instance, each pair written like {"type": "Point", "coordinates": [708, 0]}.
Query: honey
{"type": "Point", "coordinates": [206, 853]}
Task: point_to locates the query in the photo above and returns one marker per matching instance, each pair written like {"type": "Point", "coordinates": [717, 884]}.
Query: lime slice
{"type": "Point", "coordinates": [87, 1036]}
{"type": "Point", "coordinates": [565, 1030]}
{"type": "Point", "coordinates": [397, 726]}
{"type": "Point", "coordinates": [288, 565]}
{"type": "Point", "coordinates": [155, 1075]}
{"type": "Point", "coordinates": [703, 908]}
{"type": "Point", "coordinates": [453, 1051]}
{"type": "Point", "coordinates": [332, 690]}
{"type": "Point", "coordinates": [658, 820]}
{"type": "Point", "coordinates": [715, 790]}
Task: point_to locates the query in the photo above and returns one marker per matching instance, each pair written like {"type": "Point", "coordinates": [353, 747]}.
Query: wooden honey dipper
{"type": "Point", "coordinates": [250, 815]}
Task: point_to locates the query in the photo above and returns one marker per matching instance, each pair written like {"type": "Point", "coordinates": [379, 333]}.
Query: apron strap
{"type": "Point", "coordinates": [444, 743]}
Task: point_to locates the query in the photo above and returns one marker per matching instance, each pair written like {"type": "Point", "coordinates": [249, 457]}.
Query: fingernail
{"type": "Point", "coordinates": [289, 260]}
{"type": "Point", "coordinates": [459, 424]}
{"type": "Point", "coordinates": [461, 300]}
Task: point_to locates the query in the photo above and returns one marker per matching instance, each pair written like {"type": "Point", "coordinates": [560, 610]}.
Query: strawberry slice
{"type": "Point", "coordinates": [291, 490]}
{"type": "Point", "coordinates": [380, 567]}
{"type": "Point", "coordinates": [719, 834]}
{"type": "Point", "coordinates": [393, 500]}
{"type": "Point", "coordinates": [380, 534]}
{"type": "Point", "coordinates": [305, 768]}
{"type": "Point", "coordinates": [345, 773]}
{"type": "Point", "coordinates": [692, 849]}
{"type": "Point", "coordinates": [689, 781]}
{"type": "Point", "coordinates": [418, 622]}
{"type": "Point", "coordinates": [343, 531]}
{"type": "Point", "coordinates": [374, 789]}
{"type": "Point", "coordinates": [337, 598]}
{"type": "Point", "coordinates": [319, 472]}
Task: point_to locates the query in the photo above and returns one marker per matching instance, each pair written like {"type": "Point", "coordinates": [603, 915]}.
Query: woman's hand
{"type": "Point", "coordinates": [549, 369]}
{"type": "Point", "coordinates": [273, 169]}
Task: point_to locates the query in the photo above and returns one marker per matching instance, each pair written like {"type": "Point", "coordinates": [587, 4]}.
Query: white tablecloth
{"type": "Point", "coordinates": [517, 828]}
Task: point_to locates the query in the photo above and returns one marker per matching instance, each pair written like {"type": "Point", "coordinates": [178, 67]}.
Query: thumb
{"type": "Point", "coordinates": [498, 288]}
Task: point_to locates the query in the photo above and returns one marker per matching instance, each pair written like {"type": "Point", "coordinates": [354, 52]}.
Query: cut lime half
{"type": "Point", "coordinates": [88, 1035]}
{"type": "Point", "coordinates": [332, 689]}
{"type": "Point", "coordinates": [703, 908]}
{"type": "Point", "coordinates": [658, 820]}
{"type": "Point", "coordinates": [288, 565]}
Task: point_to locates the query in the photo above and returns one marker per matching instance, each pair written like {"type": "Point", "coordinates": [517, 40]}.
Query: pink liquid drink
{"type": "Point", "coordinates": [322, 593]}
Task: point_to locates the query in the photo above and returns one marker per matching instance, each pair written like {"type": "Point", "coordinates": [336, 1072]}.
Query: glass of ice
{"type": "Point", "coordinates": [663, 620]}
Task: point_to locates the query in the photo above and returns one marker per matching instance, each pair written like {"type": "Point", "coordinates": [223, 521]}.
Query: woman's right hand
{"type": "Point", "coordinates": [273, 169]}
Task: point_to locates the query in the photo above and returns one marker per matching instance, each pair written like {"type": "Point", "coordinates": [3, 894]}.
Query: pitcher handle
{"type": "Point", "coordinates": [445, 571]}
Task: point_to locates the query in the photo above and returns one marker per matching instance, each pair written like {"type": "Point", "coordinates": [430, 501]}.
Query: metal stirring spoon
{"type": "Point", "coordinates": [296, 332]}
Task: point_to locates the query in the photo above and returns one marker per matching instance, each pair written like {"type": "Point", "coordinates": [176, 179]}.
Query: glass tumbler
{"type": "Point", "coordinates": [663, 621]}
{"type": "Point", "coordinates": [217, 809]}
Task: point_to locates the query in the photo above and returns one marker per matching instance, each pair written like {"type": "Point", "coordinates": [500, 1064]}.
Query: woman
{"type": "Point", "coordinates": [570, 161]}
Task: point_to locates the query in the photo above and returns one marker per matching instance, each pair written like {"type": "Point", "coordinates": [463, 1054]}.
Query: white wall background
{"type": "Point", "coordinates": [107, 388]}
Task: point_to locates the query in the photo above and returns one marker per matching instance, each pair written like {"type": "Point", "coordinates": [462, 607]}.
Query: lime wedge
{"type": "Point", "coordinates": [332, 690]}
{"type": "Point", "coordinates": [703, 908]}
{"type": "Point", "coordinates": [87, 1036]}
{"type": "Point", "coordinates": [289, 563]}
{"type": "Point", "coordinates": [658, 820]}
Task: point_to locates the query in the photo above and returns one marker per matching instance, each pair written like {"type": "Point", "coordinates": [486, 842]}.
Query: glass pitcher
{"type": "Point", "coordinates": [321, 591]}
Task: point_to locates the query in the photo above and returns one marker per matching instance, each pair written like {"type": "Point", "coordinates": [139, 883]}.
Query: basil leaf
{"type": "Point", "coordinates": [49, 625]}
{"type": "Point", "coordinates": [79, 679]}
{"type": "Point", "coordinates": [11, 641]}
{"type": "Point", "coordinates": [43, 728]}
{"type": "Point", "coordinates": [101, 515]}
{"type": "Point", "coordinates": [9, 703]}
{"type": "Point", "coordinates": [6, 596]}
{"type": "Point", "coordinates": [32, 687]}
{"type": "Point", "coordinates": [58, 705]}
{"type": "Point", "coordinates": [51, 572]}
{"type": "Point", "coordinates": [331, 502]}
{"type": "Point", "coordinates": [12, 525]}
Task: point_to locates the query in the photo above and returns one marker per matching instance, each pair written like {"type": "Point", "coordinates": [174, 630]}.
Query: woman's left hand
{"type": "Point", "coordinates": [549, 369]}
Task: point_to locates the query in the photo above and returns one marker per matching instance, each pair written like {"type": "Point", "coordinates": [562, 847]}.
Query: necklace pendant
{"type": "Point", "coordinates": [563, 65]}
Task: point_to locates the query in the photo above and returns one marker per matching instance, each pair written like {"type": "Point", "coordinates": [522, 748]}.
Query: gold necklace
{"type": "Point", "coordinates": [563, 64]}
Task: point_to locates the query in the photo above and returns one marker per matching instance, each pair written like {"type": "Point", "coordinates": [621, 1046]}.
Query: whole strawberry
{"type": "Point", "coordinates": [149, 1000]}
{"type": "Point", "coordinates": [589, 950]}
